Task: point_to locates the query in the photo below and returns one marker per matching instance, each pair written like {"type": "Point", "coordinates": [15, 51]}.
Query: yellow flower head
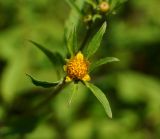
{"type": "Point", "coordinates": [104, 6]}
{"type": "Point", "coordinates": [77, 68]}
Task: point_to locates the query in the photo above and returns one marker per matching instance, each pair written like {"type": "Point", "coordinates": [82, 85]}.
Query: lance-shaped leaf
{"type": "Point", "coordinates": [55, 58]}
{"type": "Point", "coordinates": [73, 93]}
{"type": "Point", "coordinates": [95, 42]}
{"type": "Point", "coordinates": [42, 83]}
{"type": "Point", "coordinates": [101, 97]}
{"type": "Point", "coordinates": [74, 17]}
{"type": "Point", "coordinates": [71, 40]}
{"type": "Point", "coordinates": [74, 6]}
{"type": "Point", "coordinates": [114, 4]}
{"type": "Point", "coordinates": [102, 62]}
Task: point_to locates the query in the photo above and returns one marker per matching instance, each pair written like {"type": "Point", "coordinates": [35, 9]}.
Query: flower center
{"type": "Point", "coordinates": [77, 68]}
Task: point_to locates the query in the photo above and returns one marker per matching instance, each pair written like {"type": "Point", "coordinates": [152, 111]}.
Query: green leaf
{"type": "Point", "coordinates": [92, 3]}
{"type": "Point", "coordinates": [114, 4]}
{"type": "Point", "coordinates": [102, 62]}
{"type": "Point", "coordinates": [72, 41]}
{"type": "Point", "coordinates": [95, 42]}
{"type": "Point", "coordinates": [55, 58]}
{"type": "Point", "coordinates": [74, 6]}
{"type": "Point", "coordinates": [75, 88]}
{"type": "Point", "coordinates": [101, 97]}
{"type": "Point", "coordinates": [42, 83]}
{"type": "Point", "coordinates": [74, 17]}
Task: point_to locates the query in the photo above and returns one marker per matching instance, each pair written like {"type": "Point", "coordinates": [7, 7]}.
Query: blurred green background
{"type": "Point", "coordinates": [131, 85]}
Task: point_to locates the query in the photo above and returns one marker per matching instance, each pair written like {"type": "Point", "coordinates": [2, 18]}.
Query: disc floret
{"type": "Point", "coordinates": [77, 68]}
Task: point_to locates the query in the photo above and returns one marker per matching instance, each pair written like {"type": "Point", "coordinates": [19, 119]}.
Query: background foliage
{"type": "Point", "coordinates": [131, 85]}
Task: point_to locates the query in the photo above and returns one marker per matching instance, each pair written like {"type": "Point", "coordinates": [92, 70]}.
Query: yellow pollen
{"type": "Point", "coordinates": [77, 68]}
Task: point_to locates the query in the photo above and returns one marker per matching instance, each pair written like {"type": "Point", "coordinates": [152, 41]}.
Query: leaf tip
{"type": "Point", "coordinates": [104, 25]}
{"type": "Point", "coordinates": [110, 115]}
{"type": "Point", "coordinates": [116, 59]}
{"type": "Point", "coordinates": [27, 75]}
{"type": "Point", "coordinates": [31, 41]}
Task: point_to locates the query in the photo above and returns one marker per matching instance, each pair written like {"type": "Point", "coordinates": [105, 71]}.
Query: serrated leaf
{"type": "Point", "coordinates": [95, 42]}
{"type": "Point", "coordinates": [101, 97]}
{"type": "Point", "coordinates": [72, 41]}
{"type": "Point", "coordinates": [102, 62]}
{"type": "Point", "coordinates": [42, 83]}
{"type": "Point", "coordinates": [55, 58]}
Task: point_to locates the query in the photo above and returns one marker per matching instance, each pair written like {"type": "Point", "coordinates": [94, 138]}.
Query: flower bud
{"type": "Point", "coordinates": [87, 18]}
{"type": "Point", "coordinates": [104, 7]}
